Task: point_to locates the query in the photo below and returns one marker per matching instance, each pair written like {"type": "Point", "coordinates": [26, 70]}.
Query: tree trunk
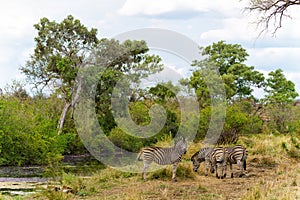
{"type": "Point", "coordinates": [63, 117]}
{"type": "Point", "coordinates": [68, 106]}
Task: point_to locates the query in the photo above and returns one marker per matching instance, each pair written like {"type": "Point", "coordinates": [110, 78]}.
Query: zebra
{"type": "Point", "coordinates": [201, 156]}
{"type": "Point", "coordinates": [163, 156]}
{"type": "Point", "coordinates": [237, 155]}
{"type": "Point", "coordinates": [213, 157]}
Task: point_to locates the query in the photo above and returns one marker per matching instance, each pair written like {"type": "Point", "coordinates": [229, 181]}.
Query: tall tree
{"type": "Point", "coordinates": [278, 89]}
{"type": "Point", "coordinates": [228, 59]}
{"type": "Point", "coordinates": [271, 12]}
{"type": "Point", "coordinates": [60, 49]}
{"type": "Point", "coordinates": [164, 91]}
{"type": "Point", "coordinates": [124, 65]}
{"type": "Point", "coordinates": [280, 93]}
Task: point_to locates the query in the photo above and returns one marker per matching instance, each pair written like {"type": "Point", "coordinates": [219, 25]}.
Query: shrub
{"type": "Point", "coordinates": [125, 140]}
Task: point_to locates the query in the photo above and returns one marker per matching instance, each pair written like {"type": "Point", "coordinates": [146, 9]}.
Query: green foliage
{"type": "Point", "coordinates": [278, 89]}
{"type": "Point", "coordinates": [28, 131]}
{"type": "Point", "coordinates": [184, 171]}
{"type": "Point", "coordinates": [124, 65]}
{"type": "Point", "coordinates": [28, 125]}
{"type": "Point", "coordinates": [59, 52]}
{"type": "Point", "coordinates": [164, 91]}
{"type": "Point", "coordinates": [227, 60]}
{"type": "Point", "coordinates": [239, 120]}
{"type": "Point", "coordinates": [280, 93]}
{"type": "Point", "coordinates": [125, 140]}
{"type": "Point", "coordinates": [293, 150]}
{"type": "Point", "coordinates": [204, 121]}
{"type": "Point", "coordinates": [225, 55]}
{"type": "Point", "coordinates": [139, 113]}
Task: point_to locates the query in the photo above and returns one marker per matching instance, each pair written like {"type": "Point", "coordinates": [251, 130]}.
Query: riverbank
{"type": "Point", "coordinates": [273, 172]}
{"type": "Point", "coordinates": [28, 180]}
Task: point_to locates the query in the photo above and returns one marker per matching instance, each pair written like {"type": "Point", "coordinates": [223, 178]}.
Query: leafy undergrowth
{"type": "Point", "coordinates": [272, 173]}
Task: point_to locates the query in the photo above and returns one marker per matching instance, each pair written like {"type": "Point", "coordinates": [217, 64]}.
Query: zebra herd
{"type": "Point", "coordinates": [215, 158]}
{"type": "Point", "coordinates": [219, 158]}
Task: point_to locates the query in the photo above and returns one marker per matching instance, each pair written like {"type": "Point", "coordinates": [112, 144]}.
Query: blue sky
{"type": "Point", "coordinates": [203, 21]}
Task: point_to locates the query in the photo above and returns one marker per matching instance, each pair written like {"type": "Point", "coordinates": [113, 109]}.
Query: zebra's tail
{"type": "Point", "coordinates": [244, 159]}
{"type": "Point", "coordinates": [139, 158]}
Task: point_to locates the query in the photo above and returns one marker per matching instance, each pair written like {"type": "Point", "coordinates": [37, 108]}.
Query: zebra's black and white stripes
{"type": "Point", "coordinates": [163, 156]}
{"type": "Point", "coordinates": [237, 155]}
{"type": "Point", "coordinates": [201, 156]}
{"type": "Point", "coordinates": [218, 161]}
{"type": "Point", "coordinates": [218, 158]}
{"type": "Point", "coordinates": [215, 158]}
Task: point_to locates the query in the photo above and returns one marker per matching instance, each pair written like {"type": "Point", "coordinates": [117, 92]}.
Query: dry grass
{"type": "Point", "coordinates": [271, 174]}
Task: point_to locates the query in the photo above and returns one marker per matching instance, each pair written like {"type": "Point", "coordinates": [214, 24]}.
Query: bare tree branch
{"type": "Point", "coordinates": [271, 12]}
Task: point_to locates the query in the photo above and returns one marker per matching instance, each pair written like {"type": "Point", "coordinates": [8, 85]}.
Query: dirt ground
{"type": "Point", "coordinates": [268, 177]}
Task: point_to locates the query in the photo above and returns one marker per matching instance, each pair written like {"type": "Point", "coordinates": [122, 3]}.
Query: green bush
{"type": "Point", "coordinates": [28, 130]}
{"type": "Point", "coordinates": [239, 120]}
{"type": "Point", "coordinates": [124, 140]}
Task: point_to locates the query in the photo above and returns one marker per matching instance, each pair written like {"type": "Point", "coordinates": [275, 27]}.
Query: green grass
{"type": "Point", "coordinates": [273, 174]}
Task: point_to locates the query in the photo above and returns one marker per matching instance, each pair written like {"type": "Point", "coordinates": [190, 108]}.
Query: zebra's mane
{"type": "Point", "coordinates": [195, 155]}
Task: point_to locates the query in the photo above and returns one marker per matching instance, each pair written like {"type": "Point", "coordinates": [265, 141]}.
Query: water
{"type": "Point", "coordinates": [21, 186]}
{"type": "Point", "coordinates": [20, 181]}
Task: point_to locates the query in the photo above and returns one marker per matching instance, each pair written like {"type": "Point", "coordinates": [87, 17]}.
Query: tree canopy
{"type": "Point", "coordinates": [278, 89]}
{"type": "Point", "coordinates": [62, 49]}
{"type": "Point", "coordinates": [228, 59]}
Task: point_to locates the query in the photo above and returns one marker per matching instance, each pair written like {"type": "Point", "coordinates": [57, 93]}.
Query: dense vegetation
{"type": "Point", "coordinates": [37, 127]}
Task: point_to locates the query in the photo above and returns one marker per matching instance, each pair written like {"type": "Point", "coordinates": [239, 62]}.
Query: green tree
{"type": "Point", "coordinates": [60, 49]}
{"type": "Point", "coordinates": [165, 91]}
{"type": "Point", "coordinates": [121, 66]}
{"type": "Point", "coordinates": [278, 89]}
{"type": "Point", "coordinates": [280, 93]}
{"type": "Point", "coordinates": [28, 130]}
{"type": "Point", "coordinates": [17, 90]}
{"type": "Point", "coordinates": [227, 60]}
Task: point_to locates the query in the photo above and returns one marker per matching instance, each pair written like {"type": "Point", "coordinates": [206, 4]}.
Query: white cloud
{"type": "Point", "coordinates": [155, 7]}
{"type": "Point", "coordinates": [266, 60]}
{"type": "Point", "coordinates": [273, 58]}
{"type": "Point", "coordinates": [17, 32]}
{"type": "Point", "coordinates": [203, 21]}
{"type": "Point", "coordinates": [145, 7]}
{"type": "Point", "coordinates": [232, 29]}
{"type": "Point", "coordinates": [270, 59]}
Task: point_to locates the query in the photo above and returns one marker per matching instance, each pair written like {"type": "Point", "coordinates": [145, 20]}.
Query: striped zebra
{"type": "Point", "coordinates": [163, 156]}
{"type": "Point", "coordinates": [203, 155]}
{"type": "Point", "coordinates": [216, 158]}
{"type": "Point", "coordinates": [237, 155]}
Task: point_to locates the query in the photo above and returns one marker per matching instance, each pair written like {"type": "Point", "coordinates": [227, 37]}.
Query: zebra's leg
{"type": "Point", "coordinates": [224, 170]}
{"type": "Point", "coordinates": [175, 165]}
{"type": "Point", "coordinates": [231, 170]}
{"type": "Point", "coordinates": [240, 168]}
{"type": "Point", "coordinates": [207, 164]}
{"type": "Point", "coordinates": [146, 166]}
{"type": "Point", "coordinates": [221, 169]}
{"type": "Point", "coordinates": [217, 169]}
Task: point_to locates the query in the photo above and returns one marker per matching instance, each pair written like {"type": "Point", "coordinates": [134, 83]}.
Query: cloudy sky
{"type": "Point", "coordinates": [202, 21]}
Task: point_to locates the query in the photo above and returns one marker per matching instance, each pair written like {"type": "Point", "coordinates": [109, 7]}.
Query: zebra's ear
{"type": "Point", "coordinates": [183, 138]}
{"type": "Point", "coordinates": [180, 138]}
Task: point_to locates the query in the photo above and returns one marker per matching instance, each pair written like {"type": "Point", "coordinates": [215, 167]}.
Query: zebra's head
{"type": "Point", "coordinates": [198, 158]}
{"type": "Point", "coordinates": [196, 161]}
{"type": "Point", "coordinates": [181, 146]}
